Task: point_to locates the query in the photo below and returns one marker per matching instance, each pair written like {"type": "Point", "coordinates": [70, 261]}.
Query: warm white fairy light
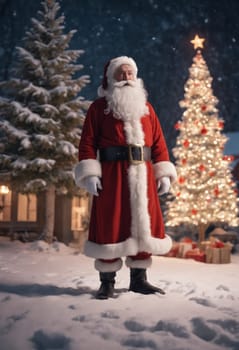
{"type": "Point", "coordinates": [204, 191]}
{"type": "Point", "coordinates": [4, 189]}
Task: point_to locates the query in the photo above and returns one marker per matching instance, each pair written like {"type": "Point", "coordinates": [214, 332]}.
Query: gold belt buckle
{"type": "Point", "coordinates": [131, 159]}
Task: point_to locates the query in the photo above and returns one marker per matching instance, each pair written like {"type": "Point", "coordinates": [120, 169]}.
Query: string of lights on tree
{"type": "Point", "coordinates": [204, 192]}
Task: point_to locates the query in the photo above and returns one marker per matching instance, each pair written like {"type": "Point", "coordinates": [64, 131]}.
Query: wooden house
{"type": "Point", "coordinates": [23, 214]}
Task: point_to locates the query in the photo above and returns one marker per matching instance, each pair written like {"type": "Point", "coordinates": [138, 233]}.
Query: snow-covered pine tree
{"type": "Point", "coordinates": [42, 114]}
{"type": "Point", "coordinates": [205, 192]}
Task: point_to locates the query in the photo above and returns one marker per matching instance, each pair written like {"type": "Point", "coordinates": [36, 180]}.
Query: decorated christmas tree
{"type": "Point", "coordinates": [204, 192]}
{"type": "Point", "coordinates": [41, 114]}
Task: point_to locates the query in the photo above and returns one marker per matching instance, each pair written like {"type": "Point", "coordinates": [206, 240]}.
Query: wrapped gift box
{"type": "Point", "coordinates": [212, 251]}
{"type": "Point", "coordinates": [185, 245]}
{"type": "Point", "coordinates": [217, 252]}
{"type": "Point", "coordinates": [196, 254]}
{"type": "Point", "coordinates": [218, 255]}
{"type": "Point", "coordinates": [204, 245]}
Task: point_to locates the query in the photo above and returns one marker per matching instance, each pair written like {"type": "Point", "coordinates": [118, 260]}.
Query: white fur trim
{"type": "Point", "coordinates": [140, 219]}
{"type": "Point", "coordinates": [85, 168]}
{"type": "Point", "coordinates": [111, 251]}
{"type": "Point", "coordinates": [137, 177]}
{"type": "Point", "coordinates": [138, 264]}
{"type": "Point", "coordinates": [116, 63]}
{"type": "Point", "coordinates": [134, 131]}
{"type": "Point", "coordinates": [130, 247]}
{"type": "Point", "coordinates": [102, 266]}
{"type": "Point", "coordinates": [156, 246]}
{"type": "Point", "coordinates": [100, 91]}
{"type": "Point", "coordinates": [165, 168]}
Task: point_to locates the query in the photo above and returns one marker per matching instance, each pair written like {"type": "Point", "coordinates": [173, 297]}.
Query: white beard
{"type": "Point", "coordinates": [127, 100]}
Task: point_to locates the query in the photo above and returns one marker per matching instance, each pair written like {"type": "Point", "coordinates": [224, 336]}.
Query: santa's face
{"type": "Point", "coordinates": [126, 95]}
{"type": "Point", "coordinates": [124, 72]}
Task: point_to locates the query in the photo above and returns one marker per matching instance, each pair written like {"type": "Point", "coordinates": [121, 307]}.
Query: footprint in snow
{"type": "Point", "coordinates": [110, 314]}
{"type": "Point", "coordinates": [11, 321]}
{"type": "Point", "coordinates": [222, 287]}
{"type": "Point", "coordinates": [230, 325]}
{"type": "Point", "coordinates": [162, 326]}
{"type": "Point", "coordinates": [134, 341]}
{"type": "Point", "coordinates": [134, 326]}
{"type": "Point", "coordinates": [48, 341]}
{"type": "Point", "coordinates": [171, 327]}
{"type": "Point", "coordinates": [72, 307]}
{"type": "Point", "coordinates": [227, 343]}
{"type": "Point", "coordinates": [203, 302]}
{"type": "Point", "coordinates": [201, 329]}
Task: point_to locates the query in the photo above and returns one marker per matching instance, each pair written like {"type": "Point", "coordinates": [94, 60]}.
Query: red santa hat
{"type": "Point", "coordinates": [110, 69]}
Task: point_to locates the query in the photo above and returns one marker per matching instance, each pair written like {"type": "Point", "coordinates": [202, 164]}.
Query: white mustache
{"type": "Point", "coordinates": [123, 83]}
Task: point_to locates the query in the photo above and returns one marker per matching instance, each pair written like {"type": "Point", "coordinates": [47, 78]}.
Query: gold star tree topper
{"type": "Point", "coordinates": [197, 42]}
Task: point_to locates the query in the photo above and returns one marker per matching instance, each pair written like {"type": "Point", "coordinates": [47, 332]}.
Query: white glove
{"type": "Point", "coordinates": [163, 185]}
{"type": "Point", "coordinates": [92, 184]}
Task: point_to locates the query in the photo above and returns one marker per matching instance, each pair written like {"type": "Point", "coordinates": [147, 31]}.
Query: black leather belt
{"type": "Point", "coordinates": [135, 154]}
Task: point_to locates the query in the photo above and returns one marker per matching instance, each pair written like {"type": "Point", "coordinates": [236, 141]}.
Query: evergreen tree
{"type": "Point", "coordinates": [42, 114]}
{"type": "Point", "coordinates": [204, 192]}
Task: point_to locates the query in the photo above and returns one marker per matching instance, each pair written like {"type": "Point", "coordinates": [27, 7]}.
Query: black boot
{"type": "Point", "coordinates": [106, 289]}
{"type": "Point", "coordinates": [139, 284]}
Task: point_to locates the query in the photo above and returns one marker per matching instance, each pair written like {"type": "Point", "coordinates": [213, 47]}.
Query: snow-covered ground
{"type": "Point", "coordinates": [47, 302]}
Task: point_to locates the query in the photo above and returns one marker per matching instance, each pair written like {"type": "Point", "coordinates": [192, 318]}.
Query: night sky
{"type": "Point", "coordinates": [156, 34]}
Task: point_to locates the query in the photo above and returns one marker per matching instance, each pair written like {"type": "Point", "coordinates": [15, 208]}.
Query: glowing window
{"type": "Point", "coordinates": [27, 207]}
{"type": "Point", "coordinates": [79, 212]}
{"type": "Point", "coordinates": [5, 203]}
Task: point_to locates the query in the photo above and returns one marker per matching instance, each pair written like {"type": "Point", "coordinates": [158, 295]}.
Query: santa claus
{"type": "Point", "coordinates": [124, 164]}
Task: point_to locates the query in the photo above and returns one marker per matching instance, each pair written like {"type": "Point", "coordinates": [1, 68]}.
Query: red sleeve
{"type": "Point", "coordinates": [89, 136]}
{"type": "Point", "coordinates": [159, 147]}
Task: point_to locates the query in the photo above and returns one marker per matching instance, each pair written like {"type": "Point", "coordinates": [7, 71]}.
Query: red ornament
{"type": "Point", "coordinates": [177, 126]}
{"type": "Point", "coordinates": [212, 173]}
{"type": "Point", "coordinates": [178, 194]}
{"type": "Point", "coordinates": [184, 161]}
{"type": "Point", "coordinates": [228, 158]}
{"type": "Point", "coordinates": [216, 191]}
{"type": "Point", "coordinates": [186, 143]}
{"type": "Point", "coordinates": [202, 167]}
{"type": "Point", "coordinates": [221, 124]}
{"type": "Point", "coordinates": [194, 211]}
{"type": "Point", "coordinates": [203, 130]}
{"type": "Point", "coordinates": [181, 180]}
{"type": "Point", "coordinates": [203, 108]}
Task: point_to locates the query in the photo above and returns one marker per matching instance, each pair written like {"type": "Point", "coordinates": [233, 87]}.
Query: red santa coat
{"type": "Point", "coordinates": [126, 217]}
